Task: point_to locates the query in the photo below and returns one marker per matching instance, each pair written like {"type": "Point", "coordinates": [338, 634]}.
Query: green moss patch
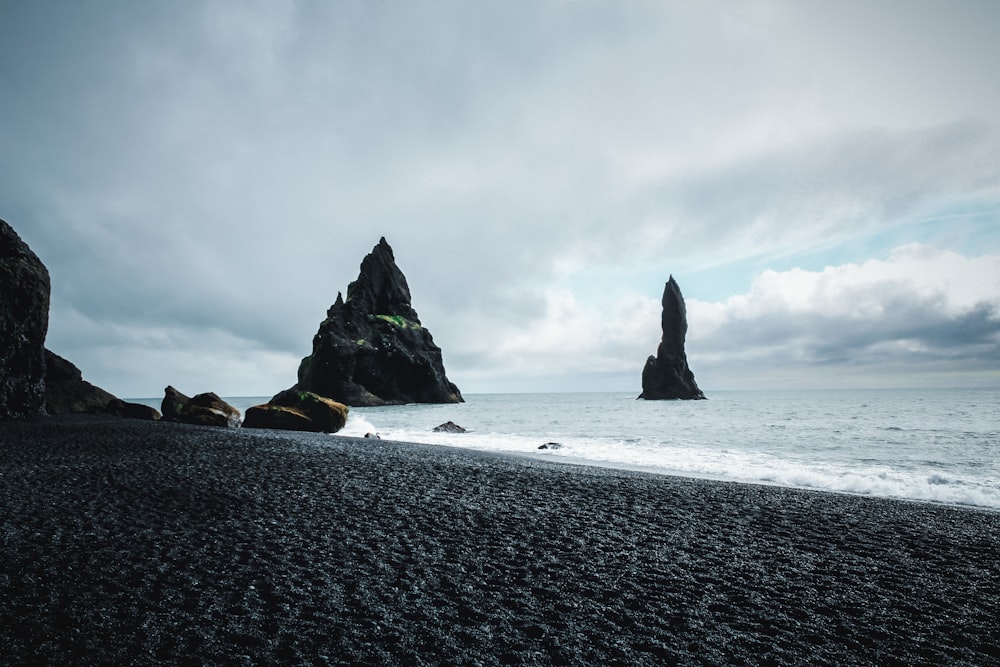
{"type": "Point", "coordinates": [399, 321]}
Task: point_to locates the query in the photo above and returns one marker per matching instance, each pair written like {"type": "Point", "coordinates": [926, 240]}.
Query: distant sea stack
{"type": "Point", "coordinates": [666, 375]}
{"type": "Point", "coordinates": [371, 349]}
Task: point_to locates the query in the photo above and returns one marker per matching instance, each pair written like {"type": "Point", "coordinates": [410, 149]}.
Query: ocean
{"type": "Point", "coordinates": [938, 446]}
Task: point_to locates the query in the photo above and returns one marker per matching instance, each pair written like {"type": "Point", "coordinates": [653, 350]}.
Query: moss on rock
{"type": "Point", "coordinates": [399, 321]}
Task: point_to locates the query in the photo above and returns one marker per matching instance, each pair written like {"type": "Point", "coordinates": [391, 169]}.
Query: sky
{"type": "Point", "coordinates": [822, 180]}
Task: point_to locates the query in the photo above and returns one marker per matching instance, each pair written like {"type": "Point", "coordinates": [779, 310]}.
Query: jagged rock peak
{"type": "Point", "coordinates": [381, 287]}
{"type": "Point", "coordinates": [372, 349]}
{"type": "Point", "coordinates": [667, 375]}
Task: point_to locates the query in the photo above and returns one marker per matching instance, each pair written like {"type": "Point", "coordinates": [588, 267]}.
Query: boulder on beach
{"type": "Point", "coordinates": [173, 403]}
{"type": "Point", "coordinates": [24, 321]}
{"type": "Point", "coordinates": [449, 427]}
{"type": "Point", "coordinates": [127, 410]}
{"type": "Point", "coordinates": [295, 410]}
{"type": "Point", "coordinates": [328, 415]}
{"type": "Point", "coordinates": [372, 349]}
{"type": "Point", "coordinates": [666, 375]}
{"type": "Point", "coordinates": [202, 409]}
{"type": "Point", "coordinates": [279, 417]}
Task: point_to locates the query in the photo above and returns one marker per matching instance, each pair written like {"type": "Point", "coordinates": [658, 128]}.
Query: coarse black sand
{"type": "Point", "coordinates": [126, 542]}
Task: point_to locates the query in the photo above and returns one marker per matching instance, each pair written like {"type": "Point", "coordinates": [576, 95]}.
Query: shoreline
{"type": "Point", "coordinates": [148, 542]}
{"type": "Point", "coordinates": [579, 462]}
{"type": "Point", "coordinates": [664, 472]}
{"type": "Point", "coordinates": [744, 457]}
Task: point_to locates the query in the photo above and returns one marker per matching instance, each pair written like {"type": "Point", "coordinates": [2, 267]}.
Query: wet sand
{"type": "Point", "coordinates": [140, 543]}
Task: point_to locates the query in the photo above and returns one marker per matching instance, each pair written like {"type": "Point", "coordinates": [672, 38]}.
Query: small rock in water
{"type": "Point", "coordinates": [550, 445]}
{"type": "Point", "coordinates": [450, 427]}
{"type": "Point", "coordinates": [376, 436]}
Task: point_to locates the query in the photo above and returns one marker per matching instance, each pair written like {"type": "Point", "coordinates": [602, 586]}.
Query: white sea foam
{"type": "Point", "coordinates": [357, 426]}
{"type": "Point", "coordinates": [911, 445]}
{"type": "Point", "coordinates": [938, 446]}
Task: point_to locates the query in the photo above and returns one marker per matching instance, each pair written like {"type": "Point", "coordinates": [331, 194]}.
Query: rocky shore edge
{"type": "Point", "coordinates": [148, 542]}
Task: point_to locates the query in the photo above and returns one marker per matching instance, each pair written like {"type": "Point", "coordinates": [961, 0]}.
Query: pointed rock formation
{"type": "Point", "coordinates": [666, 375]}
{"type": "Point", "coordinates": [24, 321]}
{"type": "Point", "coordinates": [371, 349]}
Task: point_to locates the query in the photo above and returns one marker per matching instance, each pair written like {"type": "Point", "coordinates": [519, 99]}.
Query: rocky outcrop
{"type": "Point", "coordinates": [202, 409]}
{"type": "Point", "coordinates": [666, 375]}
{"type": "Point", "coordinates": [295, 410]}
{"type": "Point", "coordinates": [67, 392]}
{"type": "Point", "coordinates": [24, 321]}
{"type": "Point", "coordinates": [173, 404]}
{"type": "Point", "coordinates": [33, 379]}
{"type": "Point", "coordinates": [372, 349]}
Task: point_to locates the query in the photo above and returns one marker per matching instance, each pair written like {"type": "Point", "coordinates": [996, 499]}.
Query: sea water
{"type": "Point", "coordinates": [928, 445]}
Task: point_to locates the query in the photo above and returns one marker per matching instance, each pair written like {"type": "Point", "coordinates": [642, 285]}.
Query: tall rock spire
{"type": "Point", "coordinates": [666, 375]}
{"type": "Point", "coordinates": [372, 349]}
{"type": "Point", "coordinates": [381, 287]}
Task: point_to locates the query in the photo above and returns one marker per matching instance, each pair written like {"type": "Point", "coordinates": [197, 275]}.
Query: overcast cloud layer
{"type": "Point", "coordinates": [822, 179]}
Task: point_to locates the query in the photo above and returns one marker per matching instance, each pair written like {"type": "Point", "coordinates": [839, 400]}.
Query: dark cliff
{"type": "Point", "coordinates": [24, 321]}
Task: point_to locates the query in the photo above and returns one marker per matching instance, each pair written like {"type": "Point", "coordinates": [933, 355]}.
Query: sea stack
{"type": "Point", "coordinates": [372, 349]}
{"type": "Point", "coordinates": [24, 321]}
{"type": "Point", "coordinates": [666, 375]}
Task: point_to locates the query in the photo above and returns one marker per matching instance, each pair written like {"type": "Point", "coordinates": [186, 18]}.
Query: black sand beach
{"type": "Point", "coordinates": [137, 542]}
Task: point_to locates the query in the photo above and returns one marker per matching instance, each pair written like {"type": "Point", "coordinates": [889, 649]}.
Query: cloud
{"type": "Point", "coordinates": [922, 308]}
{"type": "Point", "coordinates": [787, 201]}
{"type": "Point", "coordinates": [568, 338]}
{"type": "Point", "coordinates": [922, 312]}
{"type": "Point", "coordinates": [223, 169]}
{"type": "Point", "coordinates": [138, 359]}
